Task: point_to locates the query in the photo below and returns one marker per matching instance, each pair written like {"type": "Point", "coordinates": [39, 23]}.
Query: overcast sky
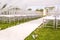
{"type": "Point", "coordinates": [29, 3]}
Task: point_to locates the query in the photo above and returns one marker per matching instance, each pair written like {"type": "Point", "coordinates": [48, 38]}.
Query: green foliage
{"type": "Point", "coordinates": [41, 10]}
{"type": "Point", "coordinates": [29, 9]}
{"type": "Point", "coordinates": [4, 6]}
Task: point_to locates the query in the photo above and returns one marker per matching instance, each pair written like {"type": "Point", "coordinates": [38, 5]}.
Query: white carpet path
{"type": "Point", "coordinates": [20, 32]}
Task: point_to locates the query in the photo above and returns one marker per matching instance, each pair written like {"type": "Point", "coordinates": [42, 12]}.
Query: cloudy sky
{"type": "Point", "coordinates": [29, 3]}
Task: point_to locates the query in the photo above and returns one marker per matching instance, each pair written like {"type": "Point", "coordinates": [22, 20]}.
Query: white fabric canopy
{"type": "Point", "coordinates": [27, 3]}
{"type": "Point", "coordinates": [51, 18]}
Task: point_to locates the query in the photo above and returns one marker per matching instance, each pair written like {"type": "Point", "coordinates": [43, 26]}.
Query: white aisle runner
{"type": "Point", "coordinates": [20, 32]}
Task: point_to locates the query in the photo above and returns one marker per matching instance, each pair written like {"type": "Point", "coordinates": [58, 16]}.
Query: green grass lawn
{"type": "Point", "coordinates": [45, 33]}
{"type": "Point", "coordinates": [4, 25]}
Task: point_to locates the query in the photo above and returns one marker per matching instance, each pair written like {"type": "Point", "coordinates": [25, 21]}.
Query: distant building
{"type": "Point", "coordinates": [55, 10]}
{"type": "Point", "coordinates": [48, 10]}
